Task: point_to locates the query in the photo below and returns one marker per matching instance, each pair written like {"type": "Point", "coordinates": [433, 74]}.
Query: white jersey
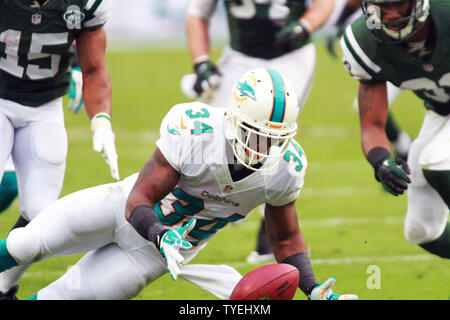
{"type": "Point", "coordinates": [193, 142]}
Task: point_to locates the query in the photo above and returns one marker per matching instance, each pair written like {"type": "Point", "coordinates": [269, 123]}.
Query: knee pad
{"type": "Point", "coordinates": [23, 246]}
{"type": "Point", "coordinates": [415, 232]}
{"type": "Point", "coordinates": [419, 233]}
{"type": "Point", "coordinates": [50, 144]}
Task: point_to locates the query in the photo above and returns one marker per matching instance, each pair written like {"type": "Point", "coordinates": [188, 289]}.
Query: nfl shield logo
{"type": "Point", "coordinates": [428, 67]}
{"type": "Point", "coordinates": [36, 18]}
{"type": "Point", "coordinates": [228, 189]}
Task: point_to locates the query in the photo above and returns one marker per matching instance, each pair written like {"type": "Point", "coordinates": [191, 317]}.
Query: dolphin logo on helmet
{"type": "Point", "coordinates": [260, 128]}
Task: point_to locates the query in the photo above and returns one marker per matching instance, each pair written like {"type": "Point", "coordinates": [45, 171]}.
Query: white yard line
{"type": "Point", "coordinates": [314, 262]}
{"type": "Point", "coordinates": [332, 222]}
{"type": "Point", "coordinates": [353, 260]}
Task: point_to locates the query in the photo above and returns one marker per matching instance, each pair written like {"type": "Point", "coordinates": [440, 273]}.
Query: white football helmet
{"type": "Point", "coordinates": [261, 118]}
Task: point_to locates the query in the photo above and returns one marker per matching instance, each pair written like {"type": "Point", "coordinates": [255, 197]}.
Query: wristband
{"type": "Point", "coordinates": [305, 24]}
{"type": "Point", "coordinates": [376, 156]}
{"type": "Point", "coordinates": [200, 59]}
{"type": "Point", "coordinates": [101, 120]}
{"type": "Point", "coordinates": [145, 221]}
{"type": "Point", "coordinates": [307, 280]}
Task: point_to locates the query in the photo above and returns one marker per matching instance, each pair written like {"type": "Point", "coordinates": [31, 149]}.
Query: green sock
{"type": "Point", "coordinates": [6, 260]}
{"type": "Point", "coordinates": [440, 246]}
{"type": "Point", "coordinates": [440, 181]}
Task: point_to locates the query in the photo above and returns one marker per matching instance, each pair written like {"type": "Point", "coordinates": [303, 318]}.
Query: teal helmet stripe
{"type": "Point", "coordinates": [279, 98]}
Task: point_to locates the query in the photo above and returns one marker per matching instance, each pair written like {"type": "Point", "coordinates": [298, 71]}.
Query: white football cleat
{"type": "Point", "coordinates": [255, 258]}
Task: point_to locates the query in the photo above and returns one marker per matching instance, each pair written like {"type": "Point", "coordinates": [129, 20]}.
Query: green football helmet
{"type": "Point", "coordinates": [406, 27]}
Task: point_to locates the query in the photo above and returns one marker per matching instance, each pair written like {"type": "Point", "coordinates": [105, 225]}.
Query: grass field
{"type": "Point", "coordinates": [350, 224]}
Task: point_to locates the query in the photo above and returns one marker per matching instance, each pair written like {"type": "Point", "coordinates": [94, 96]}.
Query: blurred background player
{"type": "Point", "coordinates": [344, 13]}
{"type": "Point", "coordinates": [261, 34]}
{"type": "Point", "coordinates": [8, 185]}
{"type": "Point", "coordinates": [410, 38]}
{"type": "Point", "coordinates": [35, 56]}
{"type": "Point", "coordinates": [157, 220]}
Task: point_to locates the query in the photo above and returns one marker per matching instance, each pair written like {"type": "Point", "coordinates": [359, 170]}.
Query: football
{"type": "Point", "coordinates": [277, 281]}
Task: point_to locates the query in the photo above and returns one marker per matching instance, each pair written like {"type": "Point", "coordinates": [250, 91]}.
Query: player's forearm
{"type": "Point", "coordinates": [318, 13]}
{"type": "Point", "coordinates": [91, 47]}
{"type": "Point", "coordinates": [373, 113]}
{"type": "Point", "coordinates": [97, 91]}
{"type": "Point", "coordinates": [293, 244]}
{"type": "Point", "coordinates": [155, 181]}
{"type": "Point", "coordinates": [198, 37]}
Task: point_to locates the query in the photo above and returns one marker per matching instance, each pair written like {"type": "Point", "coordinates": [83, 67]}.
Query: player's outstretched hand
{"type": "Point", "coordinates": [323, 292]}
{"type": "Point", "coordinates": [293, 36]}
{"type": "Point", "coordinates": [393, 175]}
{"type": "Point", "coordinates": [207, 77]}
{"type": "Point", "coordinates": [103, 141]}
{"type": "Point", "coordinates": [171, 243]}
{"type": "Point", "coordinates": [76, 102]}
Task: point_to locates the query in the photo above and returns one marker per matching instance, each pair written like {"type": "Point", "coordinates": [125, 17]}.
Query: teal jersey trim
{"type": "Point", "coordinates": [279, 98]}
{"type": "Point", "coordinates": [35, 297]}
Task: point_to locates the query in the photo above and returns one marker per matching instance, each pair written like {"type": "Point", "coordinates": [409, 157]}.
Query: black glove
{"type": "Point", "coordinates": [391, 173]}
{"type": "Point", "coordinates": [208, 76]}
{"type": "Point", "coordinates": [291, 37]}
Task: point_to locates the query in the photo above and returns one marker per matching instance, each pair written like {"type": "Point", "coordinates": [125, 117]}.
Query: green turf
{"type": "Point", "coordinates": [339, 184]}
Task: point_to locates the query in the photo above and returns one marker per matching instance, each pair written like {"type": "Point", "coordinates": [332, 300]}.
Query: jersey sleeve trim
{"type": "Point", "coordinates": [202, 8]}
{"type": "Point", "coordinates": [97, 12]}
{"type": "Point", "coordinates": [354, 67]}
{"type": "Point", "coordinates": [353, 45]}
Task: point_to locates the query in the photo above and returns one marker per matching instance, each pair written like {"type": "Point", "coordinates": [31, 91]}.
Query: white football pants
{"type": "Point", "coordinates": [120, 262]}
{"type": "Point", "coordinates": [37, 141]}
{"type": "Point", "coordinates": [427, 213]}
{"type": "Point", "coordinates": [298, 66]}
{"type": "Point", "coordinates": [9, 166]}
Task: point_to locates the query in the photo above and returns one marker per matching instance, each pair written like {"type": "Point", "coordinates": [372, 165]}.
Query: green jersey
{"type": "Point", "coordinates": [36, 45]}
{"type": "Point", "coordinates": [254, 23]}
{"type": "Point", "coordinates": [424, 69]}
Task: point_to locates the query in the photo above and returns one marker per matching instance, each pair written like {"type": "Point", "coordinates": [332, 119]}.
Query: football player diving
{"type": "Point", "coordinates": [35, 73]}
{"type": "Point", "coordinates": [212, 166]}
{"type": "Point", "coordinates": [8, 185]}
{"type": "Point", "coordinates": [407, 42]}
{"type": "Point", "coordinates": [270, 34]}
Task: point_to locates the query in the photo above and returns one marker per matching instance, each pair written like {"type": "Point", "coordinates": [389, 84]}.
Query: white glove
{"type": "Point", "coordinates": [323, 292]}
{"type": "Point", "coordinates": [103, 140]}
{"type": "Point", "coordinates": [171, 243]}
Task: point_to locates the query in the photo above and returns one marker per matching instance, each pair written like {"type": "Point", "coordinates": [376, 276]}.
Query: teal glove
{"type": "Point", "coordinates": [169, 245]}
{"type": "Point", "coordinates": [76, 102]}
{"type": "Point", "coordinates": [323, 292]}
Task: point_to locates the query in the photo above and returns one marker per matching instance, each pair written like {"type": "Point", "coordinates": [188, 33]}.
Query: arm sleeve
{"type": "Point", "coordinates": [202, 8]}
{"type": "Point", "coordinates": [96, 13]}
